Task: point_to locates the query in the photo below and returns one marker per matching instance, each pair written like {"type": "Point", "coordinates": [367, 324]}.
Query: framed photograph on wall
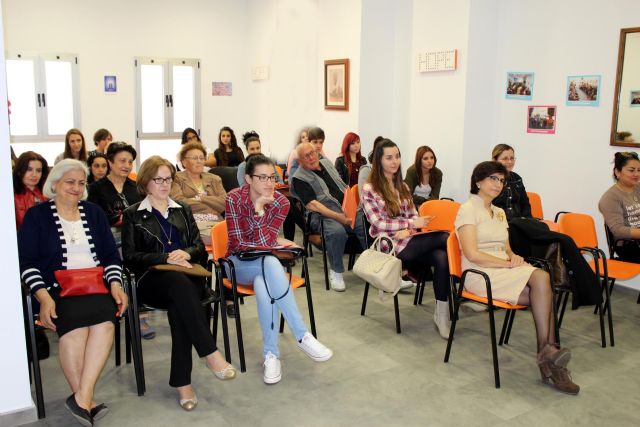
{"type": "Point", "coordinates": [583, 90]}
{"type": "Point", "coordinates": [519, 86]}
{"type": "Point", "coordinates": [336, 84]}
{"type": "Point", "coordinates": [110, 84]}
{"type": "Point", "coordinates": [541, 119]}
{"type": "Point", "coordinates": [634, 99]}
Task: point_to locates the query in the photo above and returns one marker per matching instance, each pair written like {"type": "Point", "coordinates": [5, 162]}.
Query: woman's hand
{"type": "Point", "coordinates": [515, 260]}
{"type": "Point", "coordinates": [264, 200]}
{"type": "Point", "coordinates": [47, 309]}
{"type": "Point", "coordinates": [402, 234]}
{"type": "Point", "coordinates": [421, 221]}
{"type": "Point", "coordinates": [179, 257]}
{"type": "Point", "coordinates": [287, 243]}
{"type": "Point", "coordinates": [120, 297]}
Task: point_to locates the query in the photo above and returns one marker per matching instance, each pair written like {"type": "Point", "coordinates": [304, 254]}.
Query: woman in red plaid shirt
{"type": "Point", "coordinates": [254, 214]}
{"type": "Point", "coordinates": [389, 208]}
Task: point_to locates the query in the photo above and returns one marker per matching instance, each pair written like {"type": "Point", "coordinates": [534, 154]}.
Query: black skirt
{"type": "Point", "coordinates": [83, 311]}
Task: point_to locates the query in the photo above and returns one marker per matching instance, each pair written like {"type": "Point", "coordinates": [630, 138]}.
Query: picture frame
{"type": "Point", "coordinates": [583, 90]}
{"type": "Point", "coordinates": [519, 85]}
{"type": "Point", "coordinates": [542, 119]}
{"type": "Point", "coordinates": [221, 88]}
{"type": "Point", "coordinates": [336, 84]}
{"type": "Point", "coordinates": [110, 84]}
{"type": "Point", "coordinates": [634, 99]}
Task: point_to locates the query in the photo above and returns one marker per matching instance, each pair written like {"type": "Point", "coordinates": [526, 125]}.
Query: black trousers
{"type": "Point", "coordinates": [293, 218]}
{"type": "Point", "coordinates": [429, 250]}
{"type": "Point", "coordinates": [180, 295]}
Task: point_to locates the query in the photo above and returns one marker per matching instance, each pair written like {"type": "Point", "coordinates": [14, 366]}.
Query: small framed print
{"type": "Point", "coordinates": [222, 88]}
{"type": "Point", "coordinates": [541, 119]}
{"type": "Point", "coordinates": [110, 84]}
{"type": "Point", "coordinates": [519, 86]}
{"type": "Point", "coordinates": [634, 99]}
{"type": "Point", "coordinates": [336, 84]}
{"type": "Point", "coordinates": [583, 90]}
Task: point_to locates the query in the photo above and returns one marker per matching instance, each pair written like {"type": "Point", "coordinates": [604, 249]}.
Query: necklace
{"type": "Point", "coordinates": [70, 231]}
{"type": "Point", "coordinates": [634, 196]}
{"type": "Point", "coordinates": [165, 233]}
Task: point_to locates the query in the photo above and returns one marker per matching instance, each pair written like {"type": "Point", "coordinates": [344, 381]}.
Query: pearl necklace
{"type": "Point", "coordinates": [70, 230]}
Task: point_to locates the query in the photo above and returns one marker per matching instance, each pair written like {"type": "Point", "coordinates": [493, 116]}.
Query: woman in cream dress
{"type": "Point", "coordinates": [484, 239]}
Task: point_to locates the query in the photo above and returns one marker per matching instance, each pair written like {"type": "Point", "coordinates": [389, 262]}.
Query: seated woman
{"type": "Point", "coordinates": [29, 175]}
{"type": "Point", "coordinates": [67, 233]}
{"type": "Point", "coordinates": [254, 214]}
{"type": "Point", "coordinates": [202, 191]}
{"type": "Point", "coordinates": [348, 165]}
{"type": "Point", "coordinates": [102, 138]}
{"type": "Point", "coordinates": [303, 136]}
{"type": "Point", "coordinates": [228, 153]}
{"type": "Point", "coordinates": [74, 147]}
{"type": "Point", "coordinates": [116, 192]}
{"type": "Point", "coordinates": [484, 239]}
{"type": "Point", "coordinates": [423, 177]}
{"type": "Point", "coordinates": [190, 135]}
{"type": "Point", "coordinates": [365, 170]}
{"type": "Point", "coordinates": [160, 231]}
{"type": "Point", "coordinates": [253, 145]}
{"type": "Point", "coordinates": [513, 199]}
{"type": "Point", "coordinates": [388, 206]}
{"type": "Point", "coordinates": [98, 167]}
{"type": "Point", "coordinates": [620, 205]}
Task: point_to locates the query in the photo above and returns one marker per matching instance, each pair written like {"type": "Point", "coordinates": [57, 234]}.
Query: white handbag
{"type": "Point", "coordinates": [379, 269]}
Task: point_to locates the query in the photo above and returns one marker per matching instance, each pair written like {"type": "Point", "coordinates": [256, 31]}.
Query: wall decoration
{"type": "Point", "coordinates": [110, 84]}
{"type": "Point", "coordinates": [440, 60]}
{"type": "Point", "coordinates": [583, 90]}
{"type": "Point", "coordinates": [634, 99]}
{"type": "Point", "coordinates": [519, 86]}
{"type": "Point", "coordinates": [222, 89]}
{"type": "Point", "coordinates": [336, 84]}
{"type": "Point", "coordinates": [541, 119]}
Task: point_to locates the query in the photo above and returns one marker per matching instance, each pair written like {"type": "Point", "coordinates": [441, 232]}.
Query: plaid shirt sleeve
{"type": "Point", "coordinates": [247, 230]}
{"type": "Point", "coordinates": [381, 222]}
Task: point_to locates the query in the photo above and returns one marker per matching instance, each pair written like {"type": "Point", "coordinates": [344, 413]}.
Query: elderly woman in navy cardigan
{"type": "Point", "coordinates": [67, 233]}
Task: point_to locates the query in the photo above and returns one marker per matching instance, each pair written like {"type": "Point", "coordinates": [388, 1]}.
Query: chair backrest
{"type": "Point", "coordinates": [133, 176]}
{"type": "Point", "coordinates": [279, 171]}
{"type": "Point", "coordinates": [219, 239]}
{"type": "Point", "coordinates": [228, 175]}
{"type": "Point", "coordinates": [536, 205]}
{"type": "Point", "coordinates": [356, 193]}
{"type": "Point", "coordinates": [350, 204]}
{"type": "Point", "coordinates": [611, 241]}
{"type": "Point", "coordinates": [454, 255]}
{"type": "Point", "coordinates": [580, 227]}
{"type": "Point", "coordinates": [444, 212]}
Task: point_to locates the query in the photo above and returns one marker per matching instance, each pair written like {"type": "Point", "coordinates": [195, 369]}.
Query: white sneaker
{"type": "Point", "coordinates": [272, 369]}
{"type": "Point", "coordinates": [441, 318]}
{"type": "Point", "coordinates": [406, 284]}
{"type": "Point", "coordinates": [314, 348]}
{"type": "Point", "coordinates": [336, 281]}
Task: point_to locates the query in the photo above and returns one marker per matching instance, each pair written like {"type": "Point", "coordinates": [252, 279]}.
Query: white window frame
{"type": "Point", "coordinates": [41, 94]}
{"type": "Point", "coordinates": [167, 63]}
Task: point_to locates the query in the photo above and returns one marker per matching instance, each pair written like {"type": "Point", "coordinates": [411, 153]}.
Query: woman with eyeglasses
{"type": "Point", "coordinates": [482, 230]}
{"type": "Point", "coordinates": [160, 231]}
{"type": "Point", "coordinates": [254, 214]}
{"type": "Point", "coordinates": [620, 206]}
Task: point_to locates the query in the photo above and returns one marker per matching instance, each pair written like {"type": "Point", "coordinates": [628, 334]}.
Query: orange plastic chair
{"type": "Point", "coordinates": [279, 171]}
{"type": "Point", "coordinates": [581, 228]}
{"type": "Point", "coordinates": [536, 205]}
{"type": "Point", "coordinates": [219, 240]}
{"type": "Point", "coordinates": [133, 176]}
{"type": "Point", "coordinates": [350, 204]}
{"type": "Point", "coordinates": [444, 213]}
{"type": "Point", "coordinates": [460, 295]}
{"type": "Point", "coordinates": [356, 193]}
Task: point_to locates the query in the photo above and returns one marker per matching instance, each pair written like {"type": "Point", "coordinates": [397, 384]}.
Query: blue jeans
{"type": "Point", "coordinates": [250, 272]}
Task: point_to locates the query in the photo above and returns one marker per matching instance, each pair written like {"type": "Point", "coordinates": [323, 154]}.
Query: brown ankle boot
{"type": "Point", "coordinates": [558, 378]}
{"type": "Point", "coordinates": [558, 357]}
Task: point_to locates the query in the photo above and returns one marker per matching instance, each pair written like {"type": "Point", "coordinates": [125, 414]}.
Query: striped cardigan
{"type": "Point", "coordinates": [43, 250]}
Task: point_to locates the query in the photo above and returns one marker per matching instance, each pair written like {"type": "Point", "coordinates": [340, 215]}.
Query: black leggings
{"type": "Point", "coordinates": [294, 217]}
{"type": "Point", "coordinates": [180, 295]}
{"type": "Point", "coordinates": [431, 250]}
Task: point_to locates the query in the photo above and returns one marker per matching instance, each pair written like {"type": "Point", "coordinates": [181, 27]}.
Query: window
{"type": "Point", "coordinates": [42, 90]}
{"type": "Point", "coordinates": [167, 102]}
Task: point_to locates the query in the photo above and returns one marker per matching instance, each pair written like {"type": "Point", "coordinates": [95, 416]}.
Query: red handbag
{"type": "Point", "coordinates": [82, 281]}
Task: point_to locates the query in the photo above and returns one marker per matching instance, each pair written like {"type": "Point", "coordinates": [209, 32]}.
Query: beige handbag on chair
{"type": "Point", "coordinates": [379, 269]}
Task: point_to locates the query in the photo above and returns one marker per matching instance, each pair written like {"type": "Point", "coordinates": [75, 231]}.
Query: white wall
{"type": "Point", "coordinates": [107, 36]}
{"type": "Point", "coordinates": [15, 392]}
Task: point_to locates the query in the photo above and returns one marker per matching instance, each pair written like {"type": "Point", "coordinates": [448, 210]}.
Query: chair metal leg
{"type": "Point", "coordinates": [513, 316]}
{"type": "Point", "coordinates": [243, 366]}
{"type": "Point", "coordinates": [35, 362]}
{"type": "Point", "coordinates": [607, 309]}
{"type": "Point", "coordinates": [494, 348]}
{"type": "Point", "coordinates": [454, 322]}
{"type": "Point", "coordinates": [281, 327]}
{"type": "Point", "coordinates": [564, 307]}
{"type": "Point", "coordinates": [135, 340]}
{"type": "Point", "coordinates": [397, 312]}
{"type": "Point", "coordinates": [127, 341]}
{"type": "Point", "coordinates": [364, 298]}
{"type": "Point", "coordinates": [324, 257]}
{"type": "Point", "coordinates": [307, 285]}
{"type": "Point", "coordinates": [507, 316]}
{"type": "Point", "coordinates": [116, 338]}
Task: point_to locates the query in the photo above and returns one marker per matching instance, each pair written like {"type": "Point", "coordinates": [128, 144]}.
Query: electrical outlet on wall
{"type": "Point", "coordinates": [260, 72]}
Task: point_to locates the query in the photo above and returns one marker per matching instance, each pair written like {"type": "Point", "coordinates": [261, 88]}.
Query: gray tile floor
{"type": "Point", "coordinates": [380, 378]}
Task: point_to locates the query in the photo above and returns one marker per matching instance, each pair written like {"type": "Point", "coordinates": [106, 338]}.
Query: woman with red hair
{"type": "Point", "coordinates": [348, 165]}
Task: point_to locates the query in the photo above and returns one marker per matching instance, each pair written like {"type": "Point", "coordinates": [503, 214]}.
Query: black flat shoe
{"type": "Point", "coordinates": [80, 414]}
{"type": "Point", "coordinates": [99, 411]}
{"type": "Point", "coordinates": [231, 311]}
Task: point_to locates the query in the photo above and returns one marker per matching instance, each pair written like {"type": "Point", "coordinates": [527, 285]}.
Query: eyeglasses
{"type": "Point", "coordinates": [195, 158]}
{"type": "Point", "coordinates": [310, 155]}
{"type": "Point", "coordinates": [160, 180]}
{"type": "Point", "coordinates": [192, 137]}
{"type": "Point", "coordinates": [509, 159]}
{"type": "Point", "coordinates": [496, 179]}
{"type": "Point", "coordinates": [265, 178]}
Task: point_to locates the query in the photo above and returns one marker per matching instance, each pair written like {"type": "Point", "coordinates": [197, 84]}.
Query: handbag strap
{"type": "Point", "coordinates": [376, 244]}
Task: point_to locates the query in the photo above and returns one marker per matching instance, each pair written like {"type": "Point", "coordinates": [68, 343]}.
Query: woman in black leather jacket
{"type": "Point", "coordinates": [513, 199]}
{"type": "Point", "coordinates": [159, 231]}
